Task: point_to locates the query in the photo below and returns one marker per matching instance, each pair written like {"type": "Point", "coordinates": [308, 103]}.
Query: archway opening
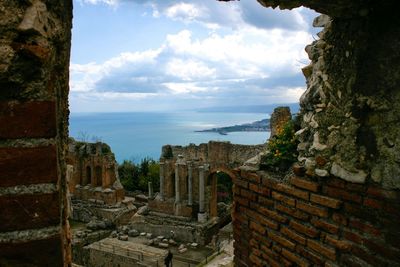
{"type": "Point", "coordinates": [99, 178]}
{"type": "Point", "coordinates": [219, 193]}
{"type": "Point", "coordinates": [88, 177]}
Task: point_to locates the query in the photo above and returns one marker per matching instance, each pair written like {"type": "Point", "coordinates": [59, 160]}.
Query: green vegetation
{"type": "Point", "coordinates": [224, 187]}
{"type": "Point", "coordinates": [282, 149]}
{"type": "Point", "coordinates": [136, 176]}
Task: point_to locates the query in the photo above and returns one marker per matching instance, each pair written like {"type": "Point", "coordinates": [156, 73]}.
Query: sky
{"type": "Point", "coordinates": [171, 55]}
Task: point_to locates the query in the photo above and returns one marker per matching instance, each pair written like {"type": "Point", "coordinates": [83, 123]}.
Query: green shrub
{"type": "Point", "coordinates": [281, 149]}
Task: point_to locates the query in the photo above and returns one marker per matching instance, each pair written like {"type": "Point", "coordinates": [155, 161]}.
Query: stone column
{"type": "Point", "coordinates": [190, 180]}
{"type": "Point", "coordinates": [177, 192]}
{"type": "Point", "coordinates": [201, 189]}
{"type": "Point", "coordinates": [150, 185]}
{"type": "Point", "coordinates": [162, 180]}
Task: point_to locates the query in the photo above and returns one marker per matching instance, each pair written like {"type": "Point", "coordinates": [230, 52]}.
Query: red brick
{"type": "Point", "coordinates": [383, 194]}
{"type": "Point", "coordinates": [325, 201]}
{"type": "Point", "coordinates": [380, 248]}
{"type": "Point", "coordinates": [363, 227]}
{"type": "Point", "coordinates": [294, 258]}
{"type": "Point", "coordinates": [242, 201]}
{"type": "Point", "coordinates": [261, 239]}
{"type": "Point", "coordinates": [281, 240]}
{"type": "Point", "coordinates": [240, 182]}
{"type": "Point", "coordinates": [29, 211]}
{"type": "Point", "coordinates": [45, 252]}
{"type": "Point", "coordinates": [361, 212]}
{"type": "Point", "coordinates": [293, 235]}
{"type": "Point", "coordinates": [253, 177]}
{"type": "Point", "coordinates": [287, 200]}
{"type": "Point", "coordinates": [339, 244]}
{"type": "Point", "coordinates": [29, 119]}
{"type": "Point", "coordinates": [331, 228]}
{"type": "Point", "coordinates": [248, 194]}
{"type": "Point", "coordinates": [341, 194]}
{"type": "Point", "coordinates": [269, 182]}
{"type": "Point", "coordinates": [256, 260]}
{"type": "Point", "coordinates": [304, 184]}
{"type": "Point", "coordinates": [269, 253]}
{"type": "Point", "coordinates": [292, 212]}
{"type": "Point", "coordinates": [263, 201]}
{"type": "Point", "coordinates": [312, 209]}
{"type": "Point", "coordinates": [359, 188]}
{"type": "Point", "coordinates": [25, 166]}
{"type": "Point", "coordinates": [339, 218]}
{"type": "Point", "coordinates": [367, 256]}
{"type": "Point", "coordinates": [326, 251]}
{"type": "Point", "coordinates": [292, 191]}
{"type": "Point", "coordinates": [261, 219]}
{"type": "Point", "coordinates": [336, 182]}
{"type": "Point", "coordinates": [273, 215]}
{"type": "Point", "coordinates": [273, 263]}
{"type": "Point", "coordinates": [286, 263]}
{"type": "Point", "coordinates": [236, 190]}
{"type": "Point", "coordinates": [260, 189]}
{"type": "Point", "coordinates": [311, 256]}
{"type": "Point", "coordinates": [253, 243]}
{"type": "Point", "coordinates": [353, 237]}
{"type": "Point", "coordinates": [303, 229]}
{"type": "Point", "coordinates": [257, 227]}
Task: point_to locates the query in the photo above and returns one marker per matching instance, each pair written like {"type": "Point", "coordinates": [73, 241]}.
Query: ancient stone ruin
{"type": "Point", "coordinates": [187, 201]}
{"type": "Point", "coordinates": [93, 173]}
{"type": "Point", "coordinates": [341, 210]}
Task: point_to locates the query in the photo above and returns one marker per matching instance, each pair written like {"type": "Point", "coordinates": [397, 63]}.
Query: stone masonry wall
{"type": "Point", "coordinates": [343, 208]}
{"type": "Point", "coordinates": [314, 221]}
{"type": "Point", "coordinates": [34, 63]}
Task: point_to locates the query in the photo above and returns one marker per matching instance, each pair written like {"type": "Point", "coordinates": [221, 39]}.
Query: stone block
{"type": "Point", "coordinates": [41, 122]}
{"type": "Point", "coordinates": [25, 166]}
{"type": "Point", "coordinates": [29, 211]}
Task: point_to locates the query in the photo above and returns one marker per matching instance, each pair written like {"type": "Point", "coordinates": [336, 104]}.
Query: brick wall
{"type": "Point", "coordinates": [314, 222]}
{"type": "Point", "coordinates": [34, 52]}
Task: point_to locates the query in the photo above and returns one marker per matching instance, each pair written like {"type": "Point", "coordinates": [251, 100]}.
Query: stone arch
{"type": "Point", "coordinates": [88, 177]}
{"type": "Point", "coordinates": [98, 176]}
{"type": "Point", "coordinates": [212, 186]}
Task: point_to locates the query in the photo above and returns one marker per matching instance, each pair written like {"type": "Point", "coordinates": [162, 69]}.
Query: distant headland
{"type": "Point", "coordinates": [257, 126]}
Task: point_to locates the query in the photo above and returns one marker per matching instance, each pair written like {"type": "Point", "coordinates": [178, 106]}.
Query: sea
{"type": "Point", "coordinates": [136, 135]}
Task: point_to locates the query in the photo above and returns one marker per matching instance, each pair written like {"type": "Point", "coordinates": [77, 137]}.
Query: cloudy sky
{"type": "Point", "coordinates": [148, 55]}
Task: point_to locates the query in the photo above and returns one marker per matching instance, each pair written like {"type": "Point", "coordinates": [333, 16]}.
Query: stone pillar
{"type": "Point", "coordinates": [201, 216]}
{"type": "Point", "coordinates": [201, 189]}
{"type": "Point", "coordinates": [177, 192]}
{"type": "Point", "coordinates": [162, 180]}
{"type": "Point", "coordinates": [190, 181]}
{"type": "Point", "coordinates": [150, 185]}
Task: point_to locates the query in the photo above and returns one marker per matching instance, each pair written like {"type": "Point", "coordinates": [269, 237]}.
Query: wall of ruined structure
{"type": "Point", "coordinates": [34, 51]}
{"type": "Point", "coordinates": [342, 207]}
{"type": "Point", "coordinates": [94, 173]}
{"type": "Point", "coordinates": [205, 158]}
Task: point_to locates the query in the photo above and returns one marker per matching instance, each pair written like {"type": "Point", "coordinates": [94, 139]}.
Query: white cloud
{"type": "Point", "coordinates": [188, 70]}
{"type": "Point", "coordinates": [185, 11]}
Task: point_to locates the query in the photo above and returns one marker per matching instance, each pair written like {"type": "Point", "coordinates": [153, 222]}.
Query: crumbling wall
{"type": "Point", "coordinates": [34, 64]}
{"type": "Point", "coordinates": [94, 173]}
{"type": "Point", "coordinates": [342, 206]}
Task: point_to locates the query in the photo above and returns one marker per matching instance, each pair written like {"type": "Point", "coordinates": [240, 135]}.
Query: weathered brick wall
{"type": "Point", "coordinates": [34, 52]}
{"type": "Point", "coordinates": [314, 222]}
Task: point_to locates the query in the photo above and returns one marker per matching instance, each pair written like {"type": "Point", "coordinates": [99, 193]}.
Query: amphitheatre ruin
{"type": "Point", "coordinates": [339, 205]}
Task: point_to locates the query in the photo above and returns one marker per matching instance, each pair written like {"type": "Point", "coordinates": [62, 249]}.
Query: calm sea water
{"type": "Point", "coordinates": [138, 135]}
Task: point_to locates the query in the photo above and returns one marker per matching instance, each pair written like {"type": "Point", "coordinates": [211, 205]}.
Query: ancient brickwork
{"type": "Point", "coordinates": [34, 50]}
{"type": "Point", "coordinates": [314, 222]}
